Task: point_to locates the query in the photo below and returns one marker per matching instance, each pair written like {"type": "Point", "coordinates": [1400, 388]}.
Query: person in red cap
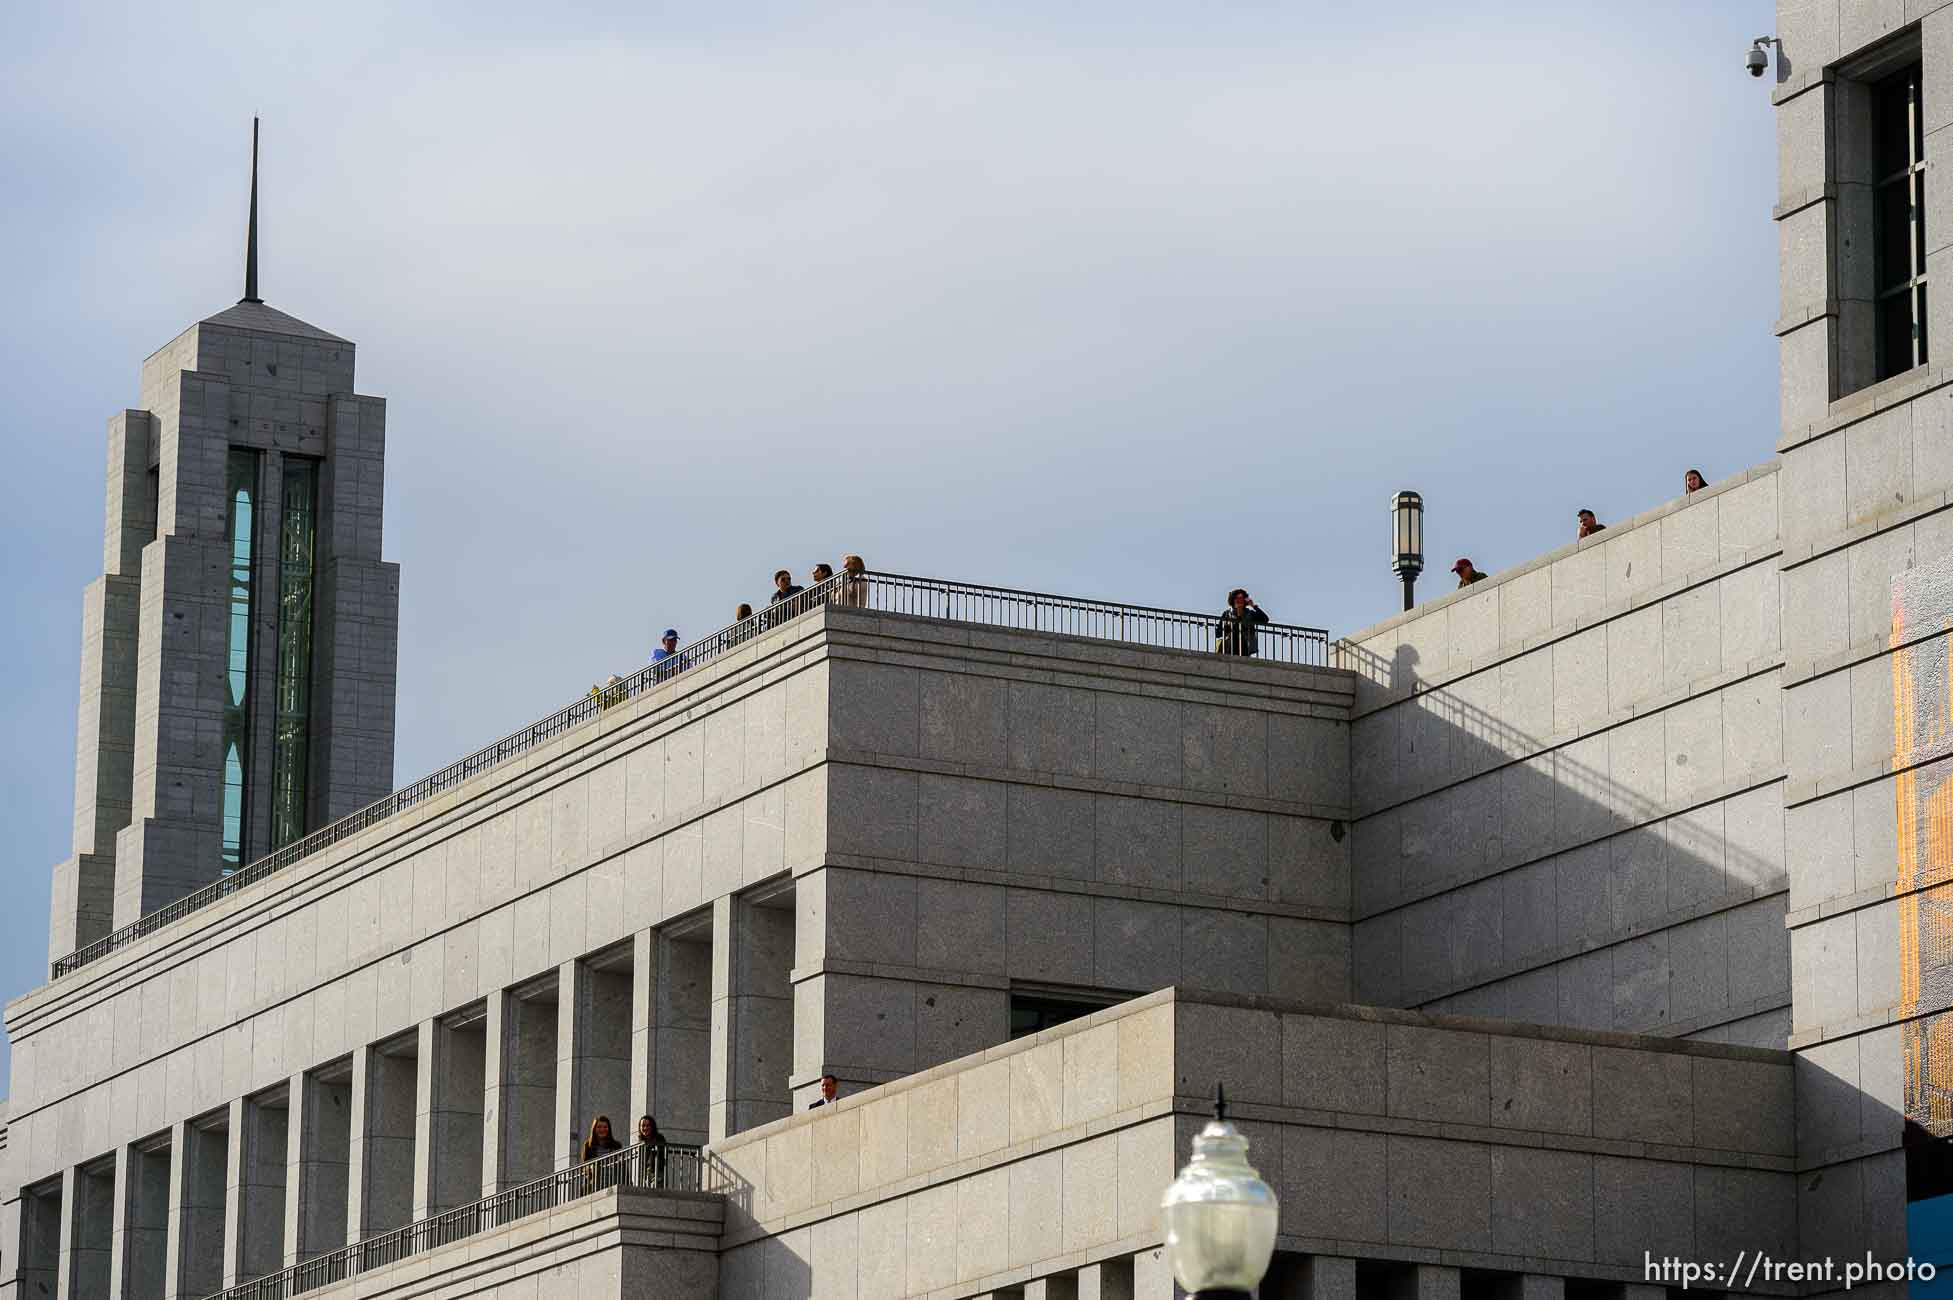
{"type": "Point", "coordinates": [1467, 575]}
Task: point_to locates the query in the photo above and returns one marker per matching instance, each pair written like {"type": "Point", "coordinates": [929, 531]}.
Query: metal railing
{"type": "Point", "coordinates": [671, 1167]}
{"type": "Point", "coordinates": [893, 593]}
{"type": "Point", "coordinates": [1033, 611]}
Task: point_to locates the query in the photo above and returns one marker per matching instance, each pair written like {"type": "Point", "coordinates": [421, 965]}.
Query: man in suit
{"type": "Point", "coordinates": [829, 1086]}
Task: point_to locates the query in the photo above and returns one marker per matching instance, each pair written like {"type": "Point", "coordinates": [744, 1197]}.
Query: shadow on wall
{"type": "Point", "coordinates": [1627, 876]}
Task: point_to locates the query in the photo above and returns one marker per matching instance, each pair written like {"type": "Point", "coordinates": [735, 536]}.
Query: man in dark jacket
{"type": "Point", "coordinates": [1234, 632]}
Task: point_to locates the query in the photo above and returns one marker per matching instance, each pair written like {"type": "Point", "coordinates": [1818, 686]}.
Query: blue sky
{"type": "Point", "coordinates": [1133, 301]}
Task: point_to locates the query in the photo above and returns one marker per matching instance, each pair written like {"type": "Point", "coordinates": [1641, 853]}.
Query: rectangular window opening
{"type": "Point", "coordinates": [1898, 176]}
{"type": "Point", "coordinates": [291, 727]}
{"type": "Point", "coordinates": [240, 501]}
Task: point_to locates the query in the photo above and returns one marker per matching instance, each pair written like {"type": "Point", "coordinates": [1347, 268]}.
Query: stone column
{"type": "Point", "coordinates": [1063, 1286]}
{"type": "Point", "coordinates": [318, 1152]}
{"type": "Point", "coordinates": [752, 1016]}
{"type": "Point", "coordinates": [1313, 1277]}
{"type": "Point", "coordinates": [644, 1027]}
{"type": "Point", "coordinates": [1426, 1282]}
{"type": "Point", "coordinates": [1107, 1280]}
{"type": "Point", "coordinates": [1151, 1278]}
{"type": "Point", "coordinates": [571, 996]}
{"type": "Point", "coordinates": [448, 1118]}
{"type": "Point", "coordinates": [593, 1062]}
{"type": "Point", "coordinates": [1536, 1286]}
{"type": "Point", "coordinates": [380, 1164]}
{"type": "Point", "coordinates": [38, 1222]}
{"type": "Point", "coordinates": [720, 1123]}
{"type": "Point", "coordinates": [519, 1080]}
{"type": "Point", "coordinates": [254, 1186]}
{"type": "Point", "coordinates": [494, 1100]}
{"type": "Point", "coordinates": [681, 1086]}
{"type": "Point", "coordinates": [141, 1217]}
{"type": "Point", "coordinates": [194, 1249]}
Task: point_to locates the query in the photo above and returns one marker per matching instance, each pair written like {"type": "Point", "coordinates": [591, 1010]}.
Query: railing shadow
{"type": "Point", "coordinates": [1476, 797]}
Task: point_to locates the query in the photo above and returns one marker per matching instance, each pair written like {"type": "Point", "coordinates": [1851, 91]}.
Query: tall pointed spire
{"type": "Point", "coordinates": [251, 235]}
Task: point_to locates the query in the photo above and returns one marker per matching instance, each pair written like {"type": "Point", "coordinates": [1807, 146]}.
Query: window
{"type": "Point", "coordinates": [291, 734]}
{"type": "Point", "coordinates": [240, 496]}
{"type": "Point", "coordinates": [1898, 167]}
{"type": "Point", "coordinates": [1035, 1013]}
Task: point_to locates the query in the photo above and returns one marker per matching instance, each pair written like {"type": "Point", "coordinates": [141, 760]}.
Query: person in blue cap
{"type": "Point", "coordinates": [667, 646]}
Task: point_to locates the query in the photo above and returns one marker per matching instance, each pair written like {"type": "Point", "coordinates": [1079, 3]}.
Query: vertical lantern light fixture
{"type": "Point", "coordinates": [1219, 1216]}
{"type": "Point", "coordinates": [1407, 529]}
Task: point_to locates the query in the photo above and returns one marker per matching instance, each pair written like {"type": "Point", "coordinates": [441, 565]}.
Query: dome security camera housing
{"type": "Point", "coordinates": [1756, 60]}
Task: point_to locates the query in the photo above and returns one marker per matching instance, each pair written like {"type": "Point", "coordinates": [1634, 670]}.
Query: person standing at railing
{"type": "Point", "coordinates": [784, 590]}
{"type": "Point", "coordinates": [1234, 631]}
{"type": "Point", "coordinates": [601, 1141]}
{"type": "Point", "coordinates": [650, 1152]}
{"type": "Point", "coordinates": [667, 646]}
{"type": "Point", "coordinates": [821, 573]}
{"type": "Point", "coordinates": [854, 585]}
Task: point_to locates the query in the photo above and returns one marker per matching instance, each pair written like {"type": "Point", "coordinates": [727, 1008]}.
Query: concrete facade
{"type": "Point", "coordinates": [1594, 912]}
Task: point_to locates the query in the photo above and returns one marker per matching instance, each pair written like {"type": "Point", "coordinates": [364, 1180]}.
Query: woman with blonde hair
{"type": "Point", "coordinates": [854, 584]}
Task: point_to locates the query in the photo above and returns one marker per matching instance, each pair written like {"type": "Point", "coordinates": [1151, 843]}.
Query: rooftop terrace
{"type": "Point", "coordinates": [935, 598]}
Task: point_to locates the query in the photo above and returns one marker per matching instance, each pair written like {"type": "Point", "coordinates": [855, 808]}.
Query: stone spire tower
{"type": "Point", "coordinates": [239, 650]}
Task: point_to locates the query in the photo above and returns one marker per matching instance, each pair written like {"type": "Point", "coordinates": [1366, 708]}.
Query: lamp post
{"type": "Point", "coordinates": [1219, 1215]}
{"type": "Point", "coordinates": [1407, 529]}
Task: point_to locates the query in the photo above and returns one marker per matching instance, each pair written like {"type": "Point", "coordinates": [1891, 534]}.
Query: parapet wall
{"type": "Point", "coordinates": [1568, 782]}
{"type": "Point", "coordinates": [1390, 1136]}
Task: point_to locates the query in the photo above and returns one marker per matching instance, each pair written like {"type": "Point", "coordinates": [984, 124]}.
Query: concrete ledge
{"type": "Point", "coordinates": [1612, 532]}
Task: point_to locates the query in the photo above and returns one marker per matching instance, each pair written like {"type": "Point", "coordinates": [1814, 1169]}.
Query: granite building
{"type": "Point", "coordinates": [1593, 913]}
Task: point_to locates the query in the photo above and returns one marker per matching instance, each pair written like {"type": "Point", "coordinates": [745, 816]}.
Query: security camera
{"type": "Point", "coordinates": [1757, 59]}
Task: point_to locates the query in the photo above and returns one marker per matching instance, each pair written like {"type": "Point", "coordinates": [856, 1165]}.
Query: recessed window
{"type": "Point", "coordinates": [1899, 218]}
{"type": "Point", "coordinates": [1033, 1014]}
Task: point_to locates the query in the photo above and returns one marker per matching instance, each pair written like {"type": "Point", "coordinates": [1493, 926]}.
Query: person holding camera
{"type": "Point", "coordinates": [1234, 631]}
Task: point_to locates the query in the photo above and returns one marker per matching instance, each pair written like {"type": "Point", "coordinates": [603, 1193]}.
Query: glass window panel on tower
{"type": "Point", "coordinates": [291, 728]}
{"type": "Point", "coordinates": [241, 490]}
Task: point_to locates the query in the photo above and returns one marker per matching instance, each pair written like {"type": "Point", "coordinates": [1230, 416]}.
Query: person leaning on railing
{"type": "Point", "coordinates": [650, 1152]}
{"type": "Point", "coordinates": [1234, 631]}
{"type": "Point", "coordinates": [854, 583]}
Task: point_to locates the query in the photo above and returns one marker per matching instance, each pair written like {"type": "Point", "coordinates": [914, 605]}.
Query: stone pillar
{"type": "Point", "coordinates": [494, 1099]}
{"type": "Point", "coordinates": [720, 1123]}
{"type": "Point", "coordinates": [380, 1164]}
{"type": "Point", "coordinates": [519, 1106]}
{"type": "Point", "coordinates": [1151, 1278]}
{"type": "Point", "coordinates": [1315, 1277]}
{"type": "Point", "coordinates": [254, 1184]}
{"type": "Point", "coordinates": [593, 1054]}
{"type": "Point", "coordinates": [1109, 1279]}
{"type": "Point", "coordinates": [88, 1212]}
{"type": "Point", "coordinates": [448, 1118]}
{"type": "Point", "coordinates": [752, 1015]}
{"type": "Point", "coordinates": [1062, 1286]}
{"type": "Point", "coordinates": [680, 1089]}
{"type": "Point", "coordinates": [1425, 1282]}
{"type": "Point", "coordinates": [194, 1249]}
{"type": "Point", "coordinates": [37, 1267]}
{"type": "Point", "coordinates": [318, 1153]}
{"type": "Point", "coordinates": [1535, 1286]}
{"type": "Point", "coordinates": [140, 1246]}
{"type": "Point", "coordinates": [644, 1027]}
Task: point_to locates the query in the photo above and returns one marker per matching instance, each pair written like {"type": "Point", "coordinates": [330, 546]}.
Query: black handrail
{"type": "Point", "coordinates": [894, 593]}
{"type": "Point", "coordinates": [669, 1167]}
